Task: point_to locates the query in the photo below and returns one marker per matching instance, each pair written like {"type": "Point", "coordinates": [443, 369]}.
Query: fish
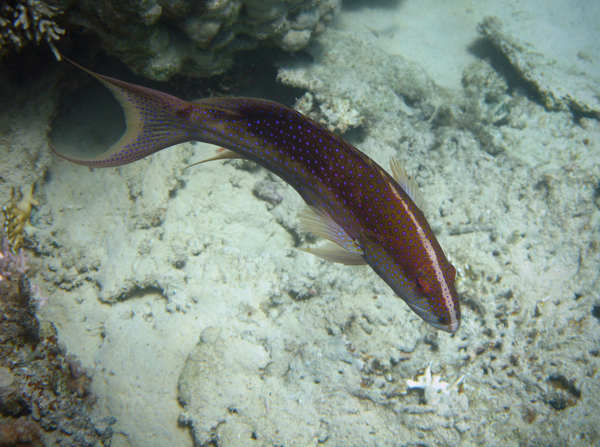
{"type": "Point", "coordinates": [369, 216]}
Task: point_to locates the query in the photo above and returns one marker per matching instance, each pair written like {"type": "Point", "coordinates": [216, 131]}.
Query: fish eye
{"type": "Point", "coordinates": [423, 286]}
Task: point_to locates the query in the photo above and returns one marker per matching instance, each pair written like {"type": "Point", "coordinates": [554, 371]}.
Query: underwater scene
{"type": "Point", "coordinates": [299, 223]}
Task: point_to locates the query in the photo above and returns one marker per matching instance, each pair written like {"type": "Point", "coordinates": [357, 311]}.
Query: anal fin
{"type": "Point", "coordinates": [225, 154]}
{"type": "Point", "coordinates": [334, 253]}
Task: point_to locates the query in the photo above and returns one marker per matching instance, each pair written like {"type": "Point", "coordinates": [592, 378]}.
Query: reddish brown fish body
{"type": "Point", "coordinates": [329, 174]}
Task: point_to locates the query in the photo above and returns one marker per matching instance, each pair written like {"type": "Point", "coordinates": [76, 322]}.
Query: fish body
{"type": "Point", "coordinates": [369, 214]}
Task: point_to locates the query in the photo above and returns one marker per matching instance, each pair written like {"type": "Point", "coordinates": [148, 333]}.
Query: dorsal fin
{"type": "Point", "coordinates": [408, 184]}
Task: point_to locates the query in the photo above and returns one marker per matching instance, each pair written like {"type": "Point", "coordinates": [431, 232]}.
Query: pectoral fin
{"type": "Point", "coordinates": [334, 253]}
{"type": "Point", "coordinates": [408, 184]}
{"type": "Point", "coordinates": [344, 249]}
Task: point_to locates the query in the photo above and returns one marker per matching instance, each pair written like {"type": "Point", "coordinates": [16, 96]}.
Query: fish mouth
{"type": "Point", "coordinates": [452, 328]}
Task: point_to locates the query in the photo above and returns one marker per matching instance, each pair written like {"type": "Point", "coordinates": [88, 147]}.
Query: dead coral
{"type": "Point", "coordinates": [26, 21]}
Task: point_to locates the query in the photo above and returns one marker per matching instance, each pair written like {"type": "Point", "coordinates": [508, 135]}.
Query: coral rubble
{"type": "Point", "coordinates": [45, 395]}
{"type": "Point", "coordinates": [27, 21]}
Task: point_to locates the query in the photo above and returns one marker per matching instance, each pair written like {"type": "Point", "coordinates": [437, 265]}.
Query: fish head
{"type": "Point", "coordinates": [433, 297]}
{"type": "Point", "coordinates": [424, 280]}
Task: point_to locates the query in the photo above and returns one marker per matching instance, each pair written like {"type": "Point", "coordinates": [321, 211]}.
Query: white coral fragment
{"type": "Point", "coordinates": [432, 385]}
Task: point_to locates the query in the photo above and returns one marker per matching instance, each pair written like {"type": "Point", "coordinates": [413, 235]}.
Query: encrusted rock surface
{"type": "Point", "coordinates": [561, 85]}
{"type": "Point", "coordinates": [45, 395]}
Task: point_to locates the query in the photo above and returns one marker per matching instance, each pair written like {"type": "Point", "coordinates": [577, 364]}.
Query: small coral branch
{"type": "Point", "coordinates": [27, 21]}
{"type": "Point", "coordinates": [16, 216]}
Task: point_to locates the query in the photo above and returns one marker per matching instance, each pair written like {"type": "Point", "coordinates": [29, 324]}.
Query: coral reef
{"type": "Point", "coordinates": [16, 216]}
{"type": "Point", "coordinates": [197, 39]}
{"type": "Point", "coordinates": [27, 21]}
{"type": "Point", "coordinates": [45, 395]}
